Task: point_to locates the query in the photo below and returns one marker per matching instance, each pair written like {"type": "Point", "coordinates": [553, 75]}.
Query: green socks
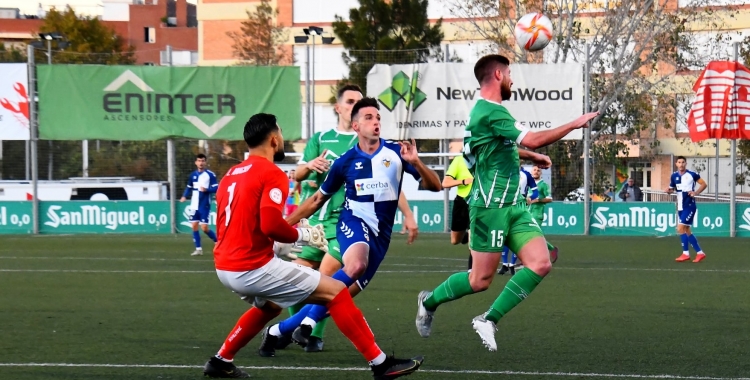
{"type": "Point", "coordinates": [320, 328]}
{"type": "Point", "coordinates": [516, 290]}
{"type": "Point", "coordinates": [294, 309]}
{"type": "Point", "coordinates": [455, 287]}
{"type": "Point", "coordinates": [550, 246]}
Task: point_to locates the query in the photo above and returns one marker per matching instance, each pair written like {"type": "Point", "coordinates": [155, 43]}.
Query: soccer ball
{"type": "Point", "coordinates": [533, 31]}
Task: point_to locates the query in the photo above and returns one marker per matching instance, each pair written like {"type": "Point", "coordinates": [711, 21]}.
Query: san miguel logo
{"type": "Point", "coordinates": [147, 105]}
{"type": "Point", "coordinates": [19, 108]}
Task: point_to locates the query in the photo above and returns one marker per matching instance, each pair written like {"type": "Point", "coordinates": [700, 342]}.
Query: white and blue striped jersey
{"type": "Point", "coordinates": [372, 184]}
{"type": "Point", "coordinates": [201, 200]}
{"type": "Point", "coordinates": [682, 183]}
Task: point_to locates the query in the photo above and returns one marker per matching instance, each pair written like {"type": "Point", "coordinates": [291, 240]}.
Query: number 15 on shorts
{"type": "Point", "coordinates": [497, 238]}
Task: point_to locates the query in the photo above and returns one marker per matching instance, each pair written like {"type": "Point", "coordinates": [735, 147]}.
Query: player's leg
{"type": "Point", "coordinates": [505, 265]}
{"type": "Point", "coordinates": [486, 228]}
{"type": "Point", "coordinates": [684, 220]}
{"type": "Point", "coordinates": [513, 266]}
{"type": "Point", "coordinates": [194, 222]}
{"type": "Point", "coordinates": [331, 264]}
{"type": "Point", "coordinates": [204, 225]}
{"type": "Point", "coordinates": [553, 251]}
{"type": "Point", "coordinates": [525, 238]}
{"type": "Point", "coordinates": [699, 254]}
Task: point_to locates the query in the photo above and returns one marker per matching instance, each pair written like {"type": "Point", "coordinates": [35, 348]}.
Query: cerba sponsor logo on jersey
{"type": "Point", "coordinates": [371, 186]}
{"type": "Point", "coordinates": [146, 105]}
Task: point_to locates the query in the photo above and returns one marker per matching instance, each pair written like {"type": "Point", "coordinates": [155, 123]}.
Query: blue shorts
{"type": "Point", "coordinates": [201, 215]}
{"type": "Point", "coordinates": [686, 216]}
{"type": "Point", "coordinates": [352, 230]}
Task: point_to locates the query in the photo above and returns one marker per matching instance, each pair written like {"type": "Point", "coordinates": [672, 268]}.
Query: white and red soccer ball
{"type": "Point", "coordinates": [533, 31]}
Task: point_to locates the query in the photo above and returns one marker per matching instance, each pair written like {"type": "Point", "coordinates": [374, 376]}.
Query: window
{"type": "Point", "coordinates": [149, 35]}
{"type": "Point", "coordinates": [709, 46]}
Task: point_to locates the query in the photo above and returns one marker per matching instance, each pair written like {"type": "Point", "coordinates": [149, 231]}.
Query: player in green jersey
{"type": "Point", "coordinates": [491, 152]}
{"type": "Point", "coordinates": [321, 150]}
{"type": "Point", "coordinates": [536, 206]}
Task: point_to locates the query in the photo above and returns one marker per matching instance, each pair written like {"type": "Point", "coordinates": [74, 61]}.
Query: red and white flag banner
{"type": "Point", "coordinates": [721, 109]}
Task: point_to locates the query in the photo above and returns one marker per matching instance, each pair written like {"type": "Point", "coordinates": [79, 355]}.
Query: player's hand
{"type": "Point", "coordinates": [691, 194]}
{"type": "Point", "coordinates": [202, 189]}
{"type": "Point", "coordinates": [468, 181]}
{"type": "Point", "coordinates": [668, 190]}
{"type": "Point", "coordinates": [412, 228]}
{"type": "Point", "coordinates": [313, 236]}
{"type": "Point", "coordinates": [182, 199]}
{"type": "Point", "coordinates": [409, 151]}
{"type": "Point", "coordinates": [319, 164]}
{"type": "Point", "coordinates": [284, 251]}
{"type": "Point", "coordinates": [583, 120]}
{"type": "Point", "coordinates": [541, 160]}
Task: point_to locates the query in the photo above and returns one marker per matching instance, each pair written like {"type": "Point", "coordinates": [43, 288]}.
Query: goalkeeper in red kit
{"type": "Point", "coordinates": [250, 200]}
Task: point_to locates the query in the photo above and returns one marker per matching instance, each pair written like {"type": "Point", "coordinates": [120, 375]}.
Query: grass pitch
{"type": "Point", "coordinates": [139, 307]}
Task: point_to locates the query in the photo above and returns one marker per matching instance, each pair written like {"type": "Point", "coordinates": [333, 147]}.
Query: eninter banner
{"type": "Point", "coordinates": [78, 102]}
{"type": "Point", "coordinates": [433, 100]}
{"type": "Point", "coordinates": [14, 102]}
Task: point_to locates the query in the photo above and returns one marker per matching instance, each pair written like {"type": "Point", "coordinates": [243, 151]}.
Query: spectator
{"type": "Point", "coordinates": [630, 192]}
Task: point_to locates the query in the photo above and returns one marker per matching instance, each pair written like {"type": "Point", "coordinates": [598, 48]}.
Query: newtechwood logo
{"type": "Point", "coordinates": [148, 105]}
{"type": "Point", "coordinates": [403, 88]}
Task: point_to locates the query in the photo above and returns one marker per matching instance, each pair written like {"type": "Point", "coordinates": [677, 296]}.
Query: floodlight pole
{"type": "Point", "coordinates": [586, 143]}
{"type": "Point", "coordinates": [33, 142]}
{"type": "Point", "coordinates": [733, 159]}
{"type": "Point", "coordinates": [312, 103]}
{"type": "Point", "coordinates": [170, 169]}
{"type": "Point", "coordinates": [308, 101]}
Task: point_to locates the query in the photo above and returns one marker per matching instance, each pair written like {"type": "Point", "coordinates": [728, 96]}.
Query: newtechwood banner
{"type": "Point", "coordinates": [433, 101]}
{"type": "Point", "coordinates": [146, 217]}
{"type": "Point", "coordinates": [78, 102]}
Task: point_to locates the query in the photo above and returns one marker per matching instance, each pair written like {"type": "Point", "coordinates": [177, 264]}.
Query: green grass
{"type": "Point", "coordinates": [610, 306]}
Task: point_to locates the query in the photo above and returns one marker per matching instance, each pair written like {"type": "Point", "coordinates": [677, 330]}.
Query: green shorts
{"type": "Point", "coordinates": [316, 255]}
{"type": "Point", "coordinates": [492, 228]}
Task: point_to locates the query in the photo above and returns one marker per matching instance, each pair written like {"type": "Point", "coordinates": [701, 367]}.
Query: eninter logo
{"type": "Point", "coordinates": [151, 106]}
{"type": "Point", "coordinates": [403, 88]}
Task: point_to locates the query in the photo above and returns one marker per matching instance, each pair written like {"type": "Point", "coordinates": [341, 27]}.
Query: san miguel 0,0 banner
{"type": "Point", "coordinates": [433, 101]}
{"type": "Point", "coordinates": [79, 102]}
{"type": "Point", "coordinates": [14, 102]}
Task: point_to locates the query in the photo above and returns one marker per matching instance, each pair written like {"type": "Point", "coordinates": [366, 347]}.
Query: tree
{"type": "Point", "coordinates": [260, 40]}
{"type": "Point", "coordinates": [11, 54]}
{"type": "Point", "coordinates": [393, 32]}
{"type": "Point", "coordinates": [638, 51]}
{"type": "Point", "coordinates": [89, 41]}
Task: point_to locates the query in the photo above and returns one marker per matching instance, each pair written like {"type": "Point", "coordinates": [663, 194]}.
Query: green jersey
{"type": "Point", "coordinates": [334, 143]}
{"type": "Point", "coordinates": [491, 152]}
{"type": "Point", "coordinates": [459, 171]}
{"type": "Point", "coordinates": [537, 209]}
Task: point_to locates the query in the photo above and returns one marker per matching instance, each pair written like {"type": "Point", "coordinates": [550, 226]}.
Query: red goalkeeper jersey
{"type": "Point", "coordinates": [244, 191]}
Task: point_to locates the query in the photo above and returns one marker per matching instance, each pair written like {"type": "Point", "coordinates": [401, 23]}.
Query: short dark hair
{"type": "Point", "coordinates": [681, 158]}
{"type": "Point", "coordinates": [345, 88]}
{"type": "Point", "coordinates": [199, 156]}
{"type": "Point", "coordinates": [485, 67]}
{"type": "Point", "coordinates": [364, 103]}
{"type": "Point", "coordinates": [258, 128]}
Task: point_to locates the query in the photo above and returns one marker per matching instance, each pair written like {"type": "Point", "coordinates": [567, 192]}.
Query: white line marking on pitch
{"type": "Point", "coordinates": [346, 369]}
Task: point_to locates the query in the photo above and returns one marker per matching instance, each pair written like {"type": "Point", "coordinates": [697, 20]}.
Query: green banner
{"type": "Point", "coordinates": [183, 217]}
{"type": "Point", "coordinates": [145, 217]}
{"type": "Point", "coordinates": [15, 217]}
{"type": "Point", "coordinates": [656, 219]}
{"type": "Point", "coordinates": [563, 219]}
{"type": "Point", "coordinates": [429, 216]}
{"type": "Point", "coordinates": [78, 102]}
{"type": "Point", "coordinates": [743, 219]}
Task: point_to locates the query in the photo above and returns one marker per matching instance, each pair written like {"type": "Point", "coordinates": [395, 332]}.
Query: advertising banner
{"type": "Point", "coordinates": [743, 219]}
{"type": "Point", "coordinates": [78, 102]}
{"type": "Point", "coordinates": [433, 100]}
{"type": "Point", "coordinates": [15, 217]}
{"type": "Point", "coordinates": [656, 219]}
{"type": "Point", "coordinates": [563, 219]}
{"type": "Point", "coordinates": [104, 217]}
{"type": "Point", "coordinates": [14, 102]}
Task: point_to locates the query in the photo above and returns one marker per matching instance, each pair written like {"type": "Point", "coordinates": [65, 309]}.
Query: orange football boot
{"type": "Point", "coordinates": [699, 258]}
{"type": "Point", "coordinates": [682, 258]}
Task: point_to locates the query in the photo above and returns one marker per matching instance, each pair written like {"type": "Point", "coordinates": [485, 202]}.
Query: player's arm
{"type": "Point", "coordinates": [536, 140]}
{"type": "Point", "coordinates": [272, 222]}
{"type": "Point", "coordinates": [409, 222]}
{"type": "Point", "coordinates": [188, 190]}
{"type": "Point", "coordinates": [672, 185]}
{"type": "Point", "coordinates": [532, 186]}
{"type": "Point", "coordinates": [213, 185]}
{"type": "Point", "coordinates": [544, 196]}
{"type": "Point", "coordinates": [312, 160]}
{"type": "Point", "coordinates": [333, 182]}
{"type": "Point", "coordinates": [701, 186]}
{"type": "Point", "coordinates": [415, 167]}
{"type": "Point", "coordinates": [451, 176]}
{"type": "Point", "coordinates": [538, 159]}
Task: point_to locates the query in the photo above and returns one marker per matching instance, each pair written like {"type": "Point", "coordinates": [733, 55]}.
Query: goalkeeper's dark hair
{"type": "Point", "coordinates": [364, 103]}
{"type": "Point", "coordinates": [345, 88]}
{"type": "Point", "coordinates": [486, 66]}
{"type": "Point", "coordinates": [258, 128]}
